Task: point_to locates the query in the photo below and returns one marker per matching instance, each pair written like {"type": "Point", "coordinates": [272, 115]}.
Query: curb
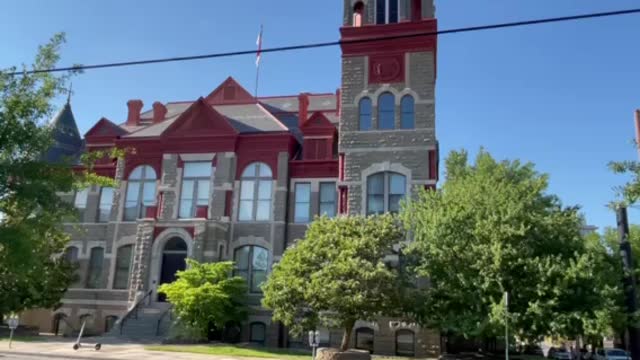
{"type": "Point", "coordinates": [55, 356]}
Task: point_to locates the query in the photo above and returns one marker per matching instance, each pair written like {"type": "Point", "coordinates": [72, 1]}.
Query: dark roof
{"type": "Point", "coordinates": [67, 142]}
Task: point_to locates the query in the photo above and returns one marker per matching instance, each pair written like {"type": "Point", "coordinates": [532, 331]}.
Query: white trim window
{"type": "Point", "coordinates": [302, 209]}
{"type": "Point", "coordinates": [106, 201]}
{"type": "Point", "coordinates": [384, 192]}
{"type": "Point", "coordinates": [387, 12]}
{"type": "Point", "coordinates": [94, 276]}
{"type": "Point", "coordinates": [252, 264]}
{"type": "Point", "coordinates": [196, 180]}
{"type": "Point", "coordinates": [255, 193]}
{"type": "Point", "coordinates": [80, 200]}
{"type": "Point", "coordinates": [141, 192]}
{"type": "Point", "coordinates": [328, 199]}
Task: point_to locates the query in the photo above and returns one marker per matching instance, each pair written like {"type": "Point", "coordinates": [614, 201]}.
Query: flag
{"type": "Point", "coordinates": [259, 44]}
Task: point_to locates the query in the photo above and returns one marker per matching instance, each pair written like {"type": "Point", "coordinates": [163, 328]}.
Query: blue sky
{"type": "Point", "coordinates": [560, 95]}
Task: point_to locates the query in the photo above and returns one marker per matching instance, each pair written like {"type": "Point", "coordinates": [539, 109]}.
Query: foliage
{"type": "Point", "coordinates": [31, 212]}
{"type": "Point", "coordinates": [204, 294]}
{"type": "Point", "coordinates": [336, 275]}
{"type": "Point", "coordinates": [629, 193]}
{"type": "Point", "coordinates": [491, 229]}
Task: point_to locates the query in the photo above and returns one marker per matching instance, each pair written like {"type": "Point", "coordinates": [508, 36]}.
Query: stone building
{"type": "Point", "coordinates": [233, 177]}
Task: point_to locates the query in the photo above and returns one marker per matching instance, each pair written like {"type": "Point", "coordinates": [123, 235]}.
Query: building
{"type": "Point", "coordinates": [229, 176]}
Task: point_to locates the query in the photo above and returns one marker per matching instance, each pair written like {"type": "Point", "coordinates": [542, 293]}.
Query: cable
{"type": "Point", "coordinates": [334, 43]}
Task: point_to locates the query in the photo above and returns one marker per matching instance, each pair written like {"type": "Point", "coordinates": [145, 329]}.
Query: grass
{"type": "Point", "coordinates": [236, 351]}
{"type": "Point", "coordinates": [22, 338]}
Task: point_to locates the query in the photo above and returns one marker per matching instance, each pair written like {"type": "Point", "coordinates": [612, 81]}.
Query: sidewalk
{"type": "Point", "coordinates": [63, 349]}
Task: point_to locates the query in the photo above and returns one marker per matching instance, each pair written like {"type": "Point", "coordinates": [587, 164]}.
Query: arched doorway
{"type": "Point", "coordinates": [174, 255]}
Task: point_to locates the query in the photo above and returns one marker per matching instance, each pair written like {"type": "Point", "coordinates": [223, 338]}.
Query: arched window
{"type": "Point", "coordinates": [358, 14]}
{"type": "Point", "coordinates": [255, 193]}
{"type": "Point", "coordinates": [141, 192]}
{"type": "Point", "coordinates": [386, 111]}
{"type": "Point", "coordinates": [71, 254]}
{"type": "Point", "coordinates": [386, 11]}
{"type": "Point", "coordinates": [94, 277]}
{"type": "Point", "coordinates": [252, 263]}
{"type": "Point", "coordinates": [405, 343]}
{"type": "Point", "coordinates": [365, 114]}
{"type": "Point", "coordinates": [384, 192]}
{"type": "Point", "coordinates": [364, 339]}
{"type": "Point", "coordinates": [109, 321]}
{"type": "Point", "coordinates": [124, 259]}
{"type": "Point", "coordinates": [257, 333]}
{"type": "Point", "coordinates": [407, 117]}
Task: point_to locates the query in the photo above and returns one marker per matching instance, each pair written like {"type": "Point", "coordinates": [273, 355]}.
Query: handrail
{"type": "Point", "coordinates": [168, 311]}
{"type": "Point", "coordinates": [134, 309]}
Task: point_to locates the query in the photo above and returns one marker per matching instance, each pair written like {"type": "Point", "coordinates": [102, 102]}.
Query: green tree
{"type": "Point", "coordinates": [204, 294]}
{"type": "Point", "coordinates": [493, 228]}
{"type": "Point", "coordinates": [31, 212]}
{"type": "Point", "coordinates": [337, 275]}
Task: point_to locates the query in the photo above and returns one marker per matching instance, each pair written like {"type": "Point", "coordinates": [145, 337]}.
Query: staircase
{"type": "Point", "coordinates": [143, 324]}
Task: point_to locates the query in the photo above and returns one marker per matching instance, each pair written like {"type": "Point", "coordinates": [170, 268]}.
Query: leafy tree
{"type": "Point", "coordinates": [337, 275]}
{"type": "Point", "coordinates": [205, 294]}
{"type": "Point", "coordinates": [492, 228]}
{"type": "Point", "coordinates": [31, 212]}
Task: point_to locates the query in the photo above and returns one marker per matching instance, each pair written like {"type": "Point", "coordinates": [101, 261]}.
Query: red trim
{"type": "Point", "coordinates": [304, 169]}
{"type": "Point", "coordinates": [228, 202]}
{"type": "Point", "coordinates": [318, 125]}
{"type": "Point", "coordinates": [159, 229]}
{"type": "Point", "coordinates": [341, 160]}
{"type": "Point", "coordinates": [104, 131]}
{"type": "Point", "coordinates": [151, 212]}
{"type": "Point", "coordinates": [202, 212]}
{"type": "Point", "coordinates": [409, 44]}
{"type": "Point", "coordinates": [343, 208]}
{"type": "Point", "coordinates": [416, 10]}
{"type": "Point", "coordinates": [264, 148]}
{"type": "Point", "coordinates": [200, 120]}
{"type": "Point", "coordinates": [387, 68]}
{"type": "Point", "coordinates": [433, 165]}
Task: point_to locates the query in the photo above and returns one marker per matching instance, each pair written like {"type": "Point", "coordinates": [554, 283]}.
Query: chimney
{"type": "Point", "coordinates": [159, 112]}
{"type": "Point", "coordinates": [303, 108]}
{"type": "Point", "coordinates": [135, 106]}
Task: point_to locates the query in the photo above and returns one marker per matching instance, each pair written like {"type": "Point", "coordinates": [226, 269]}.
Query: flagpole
{"type": "Point", "coordinates": [258, 60]}
{"type": "Point", "coordinates": [257, 79]}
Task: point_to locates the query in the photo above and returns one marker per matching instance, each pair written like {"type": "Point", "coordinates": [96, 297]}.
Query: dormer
{"type": "Point", "coordinates": [319, 136]}
{"type": "Point", "coordinates": [230, 92]}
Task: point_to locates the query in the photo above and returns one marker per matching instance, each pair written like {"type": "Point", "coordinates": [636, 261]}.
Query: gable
{"type": "Point", "coordinates": [200, 119]}
{"type": "Point", "coordinates": [230, 92]}
{"type": "Point", "coordinates": [104, 130]}
{"type": "Point", "coordinates": [318, 124]}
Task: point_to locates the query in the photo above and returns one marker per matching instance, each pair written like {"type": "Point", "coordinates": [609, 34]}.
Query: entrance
{"type": "Point", "coordinates": [174, 257]}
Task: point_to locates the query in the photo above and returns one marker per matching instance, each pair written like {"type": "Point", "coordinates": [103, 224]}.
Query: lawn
{"type": "Point", "coordinates": [236, 351]}
{"type": "Point", "coordinates": [22, 338]}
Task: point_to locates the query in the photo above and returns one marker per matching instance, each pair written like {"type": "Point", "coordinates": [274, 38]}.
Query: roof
{"type": "Point", "coordinates": [67, 142]}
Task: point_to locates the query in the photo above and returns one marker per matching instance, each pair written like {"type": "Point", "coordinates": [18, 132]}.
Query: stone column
{"type": "Point", "coordinates": [199, 236]}
{"type": "Point", "coordinates": [169, 186]}
{"type": "Point", "coordinates": [141, 258]}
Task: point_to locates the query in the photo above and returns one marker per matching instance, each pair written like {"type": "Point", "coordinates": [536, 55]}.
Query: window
{"type": "Point", "coordinates": [386, 111]}
{"type": "Point", "coordinates": [257, 333]}
{"type": "Point", "coordinates": [255, 193]}
{"type": "Point", "coordinates": [109, 321]}
{"type": "Point", "coordinates": [358, 14]}
{"type": "Point", "coordinates": [94, 278]}
{"type": "Point", "coordinates": [407, 117]}
{"type": "Point", "coordinates": [71, 254]}
{"type": "Point", "coordinates": [80, 201]}
{"type": "Point", "coordinates": [384, 192]}
{"type": "Point", "coordinates": [405, 343]}
{"type": "Point", "coordinates": [196, 179]}
{"type": "Point", "coordinates": [365, 114]}
{"type": "Point", "coordinates": [106, 201]}
{"type": "Point", "coordinates": [328, 199]}
{"type": "Point", "coordinates": [386, 11]}
{"type": "Point", "coordinates": [123, 266]}
{"type": "Point", "coordinates": [364, 339]}
{"type": "Point", "coordinates": [252, 263]}
{"type": "Point", "coordinates": [303, 203]}
{"type": "Point", "coordinates": [141, 192]}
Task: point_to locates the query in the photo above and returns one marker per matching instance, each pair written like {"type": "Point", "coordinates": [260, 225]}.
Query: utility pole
{"type": "Point", "coordinates": [629, 280]}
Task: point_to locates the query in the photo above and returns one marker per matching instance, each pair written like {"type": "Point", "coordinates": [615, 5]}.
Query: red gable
{"type": "Point", "coordinates": [230, 92]}
{"type": "Point", "coordinates": [104, 131]}
{"type": "Point", "coordinates": [200, 120]}
{"type": "Point", "coordinates": [318, 125]}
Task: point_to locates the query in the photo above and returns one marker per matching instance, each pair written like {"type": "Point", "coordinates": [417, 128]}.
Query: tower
{"type": "Point", "coordinates": [387, 144]}
{"type": "Point", "coordinates": [67, 142]}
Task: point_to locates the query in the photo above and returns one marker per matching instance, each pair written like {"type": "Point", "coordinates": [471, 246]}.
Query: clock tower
{"type": "Point", "coordinates": [387, 144]}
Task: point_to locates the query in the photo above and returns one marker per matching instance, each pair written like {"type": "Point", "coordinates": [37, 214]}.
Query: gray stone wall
{"type": "Point", "coordinates": [169, 186]}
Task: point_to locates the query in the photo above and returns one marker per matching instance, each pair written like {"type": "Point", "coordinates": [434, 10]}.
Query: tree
{"type": "Point", "coordinates": [492, 228]}
{"type": "Point", "coordinates": [337, 275]}
{"type": "Point", "coordinates": [204, 294]}
{"type": "Point", "coordinates": [31, 212]}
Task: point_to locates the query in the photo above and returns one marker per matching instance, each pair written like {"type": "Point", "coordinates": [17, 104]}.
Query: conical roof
{"type": "Point", "coordinates": [67, 142]}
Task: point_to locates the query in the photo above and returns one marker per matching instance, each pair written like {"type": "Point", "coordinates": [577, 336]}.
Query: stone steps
{"type": "Point", "coordinates": [144, 327]}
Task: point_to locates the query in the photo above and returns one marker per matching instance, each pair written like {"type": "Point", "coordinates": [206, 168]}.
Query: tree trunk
{"type": "Point", "coordinates": [346, 336]}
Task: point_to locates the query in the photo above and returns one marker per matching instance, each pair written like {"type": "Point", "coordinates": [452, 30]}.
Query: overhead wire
{"type": "Point", "coordinates": [334, 43]}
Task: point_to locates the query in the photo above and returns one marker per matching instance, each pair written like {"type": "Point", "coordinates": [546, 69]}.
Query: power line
{"type": "Point", "coordinates": [336, 43]}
